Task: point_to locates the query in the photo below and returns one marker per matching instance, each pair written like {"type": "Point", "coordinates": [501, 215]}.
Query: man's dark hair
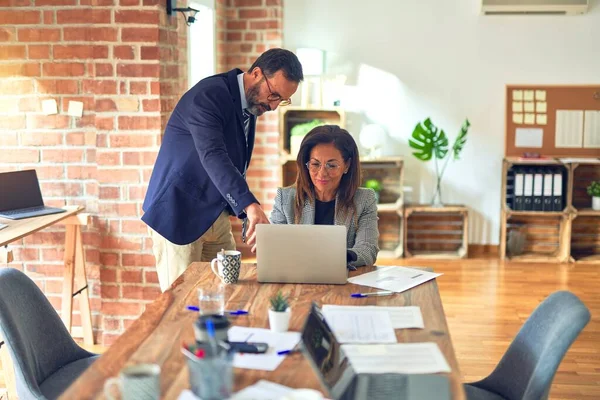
{"type": "Point", "coordinates": [274, 60]}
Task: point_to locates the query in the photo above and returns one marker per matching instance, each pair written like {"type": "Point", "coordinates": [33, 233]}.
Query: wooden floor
{"type": "Point", "coordinates": [486, 302]}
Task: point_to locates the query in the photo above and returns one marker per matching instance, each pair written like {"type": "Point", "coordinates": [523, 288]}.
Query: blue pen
{"type": "Point", "coordinates": [383, 293]}
{"type": "Point", "coordinates": [234, 312]}
{"type": "Point", "coordinates": [284, 352]}
{"type": "Point", "coordinates": [210, 329]}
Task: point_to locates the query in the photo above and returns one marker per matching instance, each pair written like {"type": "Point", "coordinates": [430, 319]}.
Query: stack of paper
{"type": "Point", "coordinates": [357, 325]}
{"type": "Point", "coordinates": [400, 317]}
{"type": "Point", "coordinates": [268, 361]}
{"type": "Point", "coordinates": [262, 390]}
{"type": "Point", "coordinates": [403, 358]}
{"type": "Point", "coordinates": [396, 279]}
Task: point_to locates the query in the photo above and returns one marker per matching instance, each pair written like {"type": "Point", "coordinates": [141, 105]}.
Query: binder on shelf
{"type": "Point", "coordinates": [557, 191]}
{"type": "Point", "coordinates": [547, 202]}
{"type": "Point", "coordinates": [528, 191]}
{"type": "Point", "coordinates": [538, 187]}
{"type": "Point", "coordinates": [518, 190]}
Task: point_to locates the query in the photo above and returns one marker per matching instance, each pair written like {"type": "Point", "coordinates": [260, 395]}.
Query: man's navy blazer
{"type": "Point", "coordinates": [200, 165]}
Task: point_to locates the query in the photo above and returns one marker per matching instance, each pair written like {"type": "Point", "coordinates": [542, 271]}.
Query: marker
{"type": "Point", "coordinates": [383, 293]}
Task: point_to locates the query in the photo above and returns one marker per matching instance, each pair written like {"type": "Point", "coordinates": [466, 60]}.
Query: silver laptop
{"type": "Point", "coordinates": [301, 253]}
{"type": "Point", "coordinates": [20, 196]}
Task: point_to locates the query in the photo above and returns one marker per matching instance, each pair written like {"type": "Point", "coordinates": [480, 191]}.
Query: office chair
{"type": "Point", "coordinates": [527, 369]}
{"type": "Point", "coordinates": [46, 358]}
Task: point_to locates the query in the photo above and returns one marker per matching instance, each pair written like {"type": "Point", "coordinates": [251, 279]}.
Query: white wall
{"type": "Point", "coordinates": [410, 59]}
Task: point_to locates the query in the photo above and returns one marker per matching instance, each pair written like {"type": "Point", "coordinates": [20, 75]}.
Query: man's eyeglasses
{"type": "Point", "coordinates": [276, 96]}
{"type": "Point", "coordinates": [315, 166]}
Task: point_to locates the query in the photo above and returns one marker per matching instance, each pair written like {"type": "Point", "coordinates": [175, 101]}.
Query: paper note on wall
{"type": "Point", "coordinates": [529, 137]}
{"type": "Point", "coordinates": [541, 119]}
{"type": "Point", "coordinates": [528, 95]}
{"type": "Point", "coordinates": [591, 130]}
{"type": "Point", "coordinates": [541, 106]}
{"type": "Point", "coordinates": [529, 119]}
{"type": "Point", "coordinates": [529, 107]}
{"type": "Point", "coordinates": [569, 128]}
{"type": "Point", "coordinates": [517, 95]}
{"type": "Point", "coordinates": [49, 107]}
{"type": "Point", "coordinates": [517, 106]}
{"type": "Point", "coordinates": [540, 95]}
{"type": "Point", "coordinates": [75, 108]}
{"type": "Point", "coordinates": [518, 118]}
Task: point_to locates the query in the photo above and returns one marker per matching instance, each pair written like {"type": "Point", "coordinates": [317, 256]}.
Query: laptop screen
{"type": "Point", "coordinates": [326, 355]}
{"type": "Point", "coordinates": [19, 189]}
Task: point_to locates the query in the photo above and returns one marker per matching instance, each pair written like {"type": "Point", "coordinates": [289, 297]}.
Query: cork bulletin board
{"type": "Point", "coordinates": [555, 121]}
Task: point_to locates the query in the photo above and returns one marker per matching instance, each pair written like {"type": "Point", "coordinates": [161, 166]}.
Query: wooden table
{"type": "Point", "coordinates": [74, 272]}
{"type": "Point", "coordinates": [156, 337]}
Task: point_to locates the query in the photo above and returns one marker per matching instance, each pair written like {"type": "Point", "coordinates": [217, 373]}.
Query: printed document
{"type": "Point", "coordinates": [401, 317]}
{"type": "Point", "coordinates": [403, 358]}
{"type": "Point", "coordinates": [353, 325]}
{"type": "Point", "coordinates": [396, 279]}
{"type": "Point", "coordinates": [268, 361]}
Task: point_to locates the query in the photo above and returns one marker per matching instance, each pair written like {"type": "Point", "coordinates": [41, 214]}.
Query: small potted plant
{"type": "Point", "coordinates": [594, 191]}
{"type": "Point", "coordinates": [375, 185]}
{"type": "Point", "coordinates": [279, 313]}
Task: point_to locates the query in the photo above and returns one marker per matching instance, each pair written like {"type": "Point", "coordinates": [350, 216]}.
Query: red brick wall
{"type": "Point", "coordinates": [245, 29]}
{"type": "Point", "coordinates": [126, 61]}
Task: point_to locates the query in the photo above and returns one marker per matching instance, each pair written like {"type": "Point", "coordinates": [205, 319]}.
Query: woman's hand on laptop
{"type": "Point", "coordinates": [256, 215]}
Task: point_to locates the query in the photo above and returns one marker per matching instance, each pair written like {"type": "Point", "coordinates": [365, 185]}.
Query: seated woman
{"type": "Point", "coordinates": [327, 192]}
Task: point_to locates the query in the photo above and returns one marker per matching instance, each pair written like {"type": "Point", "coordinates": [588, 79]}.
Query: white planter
{"type": "Point", "coordinates": [279, 321]}
{"type": "Point", "coordinates": [596, 203]}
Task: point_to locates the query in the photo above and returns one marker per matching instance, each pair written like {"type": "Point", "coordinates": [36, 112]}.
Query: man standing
{"type": "Point", "coordinates": [199, 176]}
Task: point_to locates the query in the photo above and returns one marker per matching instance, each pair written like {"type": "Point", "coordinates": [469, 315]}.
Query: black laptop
{"type": "Point", "coordinates": [326, 356]}
{"type": "Point", "coordinates": [20, 196]}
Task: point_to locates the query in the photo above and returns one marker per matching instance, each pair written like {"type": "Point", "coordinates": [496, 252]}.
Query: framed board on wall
{"type": "Point", "coordinates": [554, 121]}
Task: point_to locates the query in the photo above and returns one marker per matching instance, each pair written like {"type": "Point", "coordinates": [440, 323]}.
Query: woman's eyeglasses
{"type": "Point", "coordinates": [315, 166]}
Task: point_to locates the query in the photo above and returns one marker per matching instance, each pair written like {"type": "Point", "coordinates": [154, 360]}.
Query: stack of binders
{"type": "Point", "coordinates": [539, 188]}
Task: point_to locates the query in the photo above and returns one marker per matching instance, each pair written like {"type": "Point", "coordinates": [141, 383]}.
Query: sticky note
{"type": "Point", "coordinates": [528, 95]}
{"type": "Point", "coordinates": [49, 107]}
{"type": "Point", "coordinates": [75, 108]}
{"type": "Point", "coordinates": [517, 95]}
{"type": "Point", "coordinates": [540, 107]}
{"type": "Point", "coordinates": [517, 106]}
{"type": "Point", "coordinates": [529, 119]}
{"type": "Point", "coordinates": [541, 119]}
{"type": "Point", "coordinates": [529, 107]}
{"type": "Point", "coordinates": [540, 95]}
{"type": "Point", "coordinates": [517, 118]}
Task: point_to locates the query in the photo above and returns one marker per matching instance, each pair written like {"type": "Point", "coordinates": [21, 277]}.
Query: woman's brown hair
{"type": "Point", "coordinates": [344, 142]}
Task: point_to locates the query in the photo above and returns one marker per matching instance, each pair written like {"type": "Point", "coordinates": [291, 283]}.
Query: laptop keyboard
{"type": "Point", "coordinates": [386, 386]}
{"type": "Point", "coordinates": [23, 210]}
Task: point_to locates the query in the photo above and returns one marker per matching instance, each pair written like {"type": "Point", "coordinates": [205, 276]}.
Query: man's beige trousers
{"type": "Point", "coordinates": [173, 259]}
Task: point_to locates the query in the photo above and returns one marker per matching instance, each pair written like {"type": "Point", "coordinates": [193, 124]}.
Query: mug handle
{"type": "Point", "coordinates": [108, 386]}
{"type": "Point", "coordinates": [214, 267]}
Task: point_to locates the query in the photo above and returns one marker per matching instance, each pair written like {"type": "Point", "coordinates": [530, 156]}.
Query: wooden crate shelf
{"type": "Point", "coordinates": [585, 238]}
{"type": "Point", "coordinates": [565, 236]}
{"type": "Point", "coordinates": [543, 237]}
{"type": "Point", "coordinates": [436, 232]}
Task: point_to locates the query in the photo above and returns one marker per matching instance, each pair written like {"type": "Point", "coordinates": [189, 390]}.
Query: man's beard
{"type": "Point", "coordinates": [254, 105]}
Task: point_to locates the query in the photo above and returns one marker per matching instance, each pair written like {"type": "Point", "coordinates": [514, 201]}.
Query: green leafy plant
{"type": "Point", "coordinates": [594, 189]}
{"type": "Point", "coordinates": [279, 302]}
{"type": "Point", "coordinates": [431, 142]}
{"type": "Point", "coordinates": [373, 184]}
{"type": "Point", "coordinates": [304, 128]}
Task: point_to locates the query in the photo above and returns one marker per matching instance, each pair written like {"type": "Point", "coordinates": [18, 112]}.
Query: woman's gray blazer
{"type": "Point", "coordinates": [362, 239]}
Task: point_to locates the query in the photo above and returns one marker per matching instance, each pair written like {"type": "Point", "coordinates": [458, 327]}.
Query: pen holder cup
{"type": "Point", "coordinates": [211, 378]}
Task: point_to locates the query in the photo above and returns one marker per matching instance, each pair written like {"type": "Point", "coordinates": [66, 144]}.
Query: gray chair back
{"type": "Point", "coordinates": [37, 340]}
{"type": "Point", "coordinates": [527, 369]}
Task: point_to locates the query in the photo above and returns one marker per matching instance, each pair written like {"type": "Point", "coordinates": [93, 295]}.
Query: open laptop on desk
{"type": "Point", "coordinates": [326, 356]}
{"type": "Point", "coordinates": [301, 254]}
{"type": "Point", "coordinates": [20, 196]}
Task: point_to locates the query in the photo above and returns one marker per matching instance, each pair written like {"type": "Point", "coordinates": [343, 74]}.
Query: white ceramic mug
{"type": "Point", "coordinates": [227, 265]}
{"type": "Point", "coordinates": [138, 382]}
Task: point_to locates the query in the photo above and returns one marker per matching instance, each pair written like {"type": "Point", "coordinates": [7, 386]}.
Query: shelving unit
{"type": "Point", "coordinates": [389, 171]}
{"type": "Point", "coordinates": [436, 232]}
{"type": "Point", "coordinates": [570, 235]}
